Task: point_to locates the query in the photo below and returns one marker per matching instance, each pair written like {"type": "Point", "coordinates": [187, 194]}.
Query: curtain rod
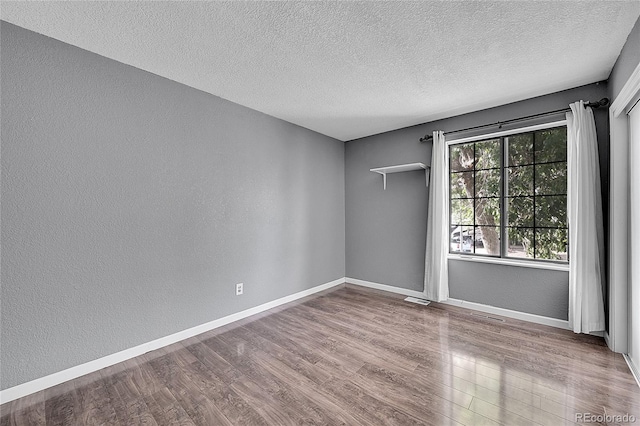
{"type": "Point", "coordinates": [604, 102]}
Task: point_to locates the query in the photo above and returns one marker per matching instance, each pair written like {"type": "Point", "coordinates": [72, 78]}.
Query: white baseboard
{"type": "Point", "coordinates": [634, 369]}
{"type": "Point", "coordinates": [385, 287]}
{"type": "Point", "coordinates": [538, 319]}
{"type": "Point", "coordinates": [42, 383]}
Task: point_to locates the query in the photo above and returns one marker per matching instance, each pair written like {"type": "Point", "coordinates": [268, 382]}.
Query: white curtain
{"type": "Point", "coordinates": [436, 277]}
{"type": "Point", "coordinates": [586, 236]}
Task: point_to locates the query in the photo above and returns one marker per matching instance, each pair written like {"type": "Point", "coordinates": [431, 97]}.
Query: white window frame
{"type": "Point", "coordinates": [538, 264]}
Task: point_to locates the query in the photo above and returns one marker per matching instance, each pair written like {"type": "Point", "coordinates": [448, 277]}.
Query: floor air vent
{"type": "Point", "coordinates": [487, 317]}
{"type": "Point", "coordinates": [416, 300]}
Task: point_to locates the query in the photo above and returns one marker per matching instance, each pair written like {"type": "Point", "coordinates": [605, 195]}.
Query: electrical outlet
{"type": "Point", "coordinates": [239, 289]}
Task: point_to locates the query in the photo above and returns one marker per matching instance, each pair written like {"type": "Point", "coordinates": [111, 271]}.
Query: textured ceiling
{"type": "Point", "coordinates": [350, 69]}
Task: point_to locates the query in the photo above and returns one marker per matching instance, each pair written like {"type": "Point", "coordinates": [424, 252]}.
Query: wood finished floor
{"type": "Point", "coordinates": [356, 357]}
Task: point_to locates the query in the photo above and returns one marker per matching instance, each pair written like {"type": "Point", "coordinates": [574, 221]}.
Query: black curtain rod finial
{"type": "Point", "coordinates": [604, 102]}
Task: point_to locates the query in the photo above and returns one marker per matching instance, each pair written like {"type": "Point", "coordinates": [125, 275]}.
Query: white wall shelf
{"type": "Point", "coordinates": [401, 168]}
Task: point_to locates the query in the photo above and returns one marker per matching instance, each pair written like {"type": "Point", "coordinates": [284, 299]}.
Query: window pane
{"type": "Point", "coordinates": [462, 239]}
{"type": "Point", "coordinates": [488, 211]}
{"type": "Point", "coordinates": [551, 211]}
{"type": "Point", "coordinates": [520, 180]}
{"type": "Point", "coordinates": [459, 182]}
{"type": "Point", "coordinates": [551, 244]}
{"type": "Point", "coordinates": [461, 157]}
{"type": "Point", "coordinates": [487, 240]}
{"type": "Point", "coordinates": [528, 173]}
{"type": "Point", "coordinates": [488, 183]}
{"type": "Point", "coordinates": [551, 179]}
{"type": "Point", "coordinates": [488, 154]}
{"type": "Point", "coordinates": [520, 242]}
{"type": "Point", "coordinates": [462, 212]}
{"type": "Point", "coordinates": [520, 149]}
{"type": "Point", "coordinates": [520, 211]}
{"type": "Point", "coordinates": [551, 145]}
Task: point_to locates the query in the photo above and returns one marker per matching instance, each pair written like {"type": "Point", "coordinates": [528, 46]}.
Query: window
{"type": "Point", "coordinates": [508, 196]}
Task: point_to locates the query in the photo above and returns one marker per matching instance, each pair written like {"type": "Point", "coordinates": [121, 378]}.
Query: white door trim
{"type": "Point", "coordinates": [619, 212]}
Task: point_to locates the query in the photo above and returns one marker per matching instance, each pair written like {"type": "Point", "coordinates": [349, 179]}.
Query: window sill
{"type": "Point", "coordinates": [511, 262]}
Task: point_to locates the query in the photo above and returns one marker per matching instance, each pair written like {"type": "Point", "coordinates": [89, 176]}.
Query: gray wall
{"type": "Point", "coordinates": [386, 230]}
{"type": "Point", "coordinates": [536, 291]}
{"type": "Point", "coordinates": [626, 62]}
{"type": "Point", "coordinates": [132, 204]}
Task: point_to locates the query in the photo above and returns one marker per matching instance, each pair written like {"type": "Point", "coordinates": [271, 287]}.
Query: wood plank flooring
{"type": "Point", "coordinates": [351, 356]}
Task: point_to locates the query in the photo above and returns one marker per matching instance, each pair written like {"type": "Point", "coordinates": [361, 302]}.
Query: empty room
{"type": "Point", "coordinates": [320, 212]}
